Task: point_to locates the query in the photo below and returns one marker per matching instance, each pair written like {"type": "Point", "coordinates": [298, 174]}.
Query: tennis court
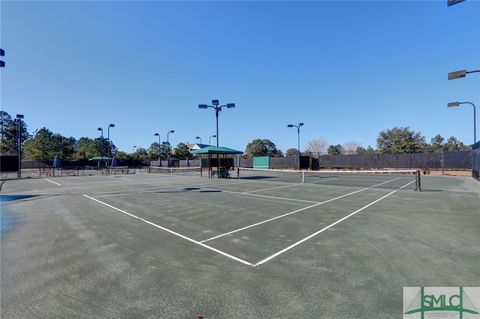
{"type": "Point", "coordinates": [265, 245]}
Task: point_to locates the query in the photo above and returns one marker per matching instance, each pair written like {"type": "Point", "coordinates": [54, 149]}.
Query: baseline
{"type": "Point", "coordinates": [327, 227]}
{"type": "Point", "coordinates": [170, 231]}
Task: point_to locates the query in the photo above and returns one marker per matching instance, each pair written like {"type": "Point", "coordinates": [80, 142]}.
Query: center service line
{"type": "Point", "coordinates": [270, 188]}
{"type": "Point", "coordinates": [329, 226]}
{"type": "Point", "coordinates": [171, 231]}
{"type": "Point", "coordinates": [296, 211]}
{"type": "Point", "coordinates": [48, 180]}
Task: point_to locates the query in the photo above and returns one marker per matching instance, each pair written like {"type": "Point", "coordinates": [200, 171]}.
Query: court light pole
{"type": "Point", "coordinates": [169, 148]}
{"type": "Point", "coordinates": [217, 107]}
{"type": "Point", "coordinates": [298, 134]}
{"type": "Point", "coordinates": [455, 104]}
{"type": "Point", "coordinates": [168, 134]}
{"type": "Point", "coordinates": [198, 138]}
{"type": "Point", "coordinates": [101, 141]}
{"type": "Point", "coordinates": [210, 139]}
{"type": "Point", "coordinates": [19, 144]}
{"type": "Point", "coordinates": [159, 146]}
{"type": "Point", "coordinates": [108, 137]}
{"type": "Point", "coordinates": [134, 146]}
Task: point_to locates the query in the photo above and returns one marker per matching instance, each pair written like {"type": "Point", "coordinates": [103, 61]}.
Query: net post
{"type": "Point", "coordinates": [303, 177]}
{"type": "Point", "coordinates": [418, 184]}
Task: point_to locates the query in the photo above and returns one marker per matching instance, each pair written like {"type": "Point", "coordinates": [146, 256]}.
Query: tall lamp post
{"type": "Point", "coordinates": [19, 144]}
{"type": "Point", "coordinates": [217, 107]}
{"type": "Point", "coordinates": [109, 142]}
{"type": "Point", "coordinates": [455, 104]}
{"type": "Point", "coordinates": [210, 139]}
{"type": "Point", "coordinates": [159, 149]}
{"type": "Point", "coordinates": [168, 134]}
{"type": "Point", "coordinates": [169, 148]}
{"type": "Point", "coordinates": [198, 138]}
{"type": "Point", "coordinates": [134, 146]}
{"type": "Point", "coordinates": [101, 143]}
{"type": "Point", "coordinates": [298, 134]}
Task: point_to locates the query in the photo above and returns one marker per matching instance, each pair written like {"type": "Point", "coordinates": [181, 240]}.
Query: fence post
{"type": "Point", "coordinates": [442, 162]}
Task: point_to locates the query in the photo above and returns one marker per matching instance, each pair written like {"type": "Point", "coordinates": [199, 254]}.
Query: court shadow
{"type": "Point", "coordinates": [12, 198]}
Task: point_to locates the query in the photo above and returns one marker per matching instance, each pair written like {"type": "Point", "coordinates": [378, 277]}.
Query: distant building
{"type": "Point", "coordinates": [196, 146]}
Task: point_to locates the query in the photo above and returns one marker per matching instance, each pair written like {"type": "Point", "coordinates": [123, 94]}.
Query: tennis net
{"type": "Point", "coordinates": [176, 171]}
{"type": "Point", "coordinates": [368, 178]}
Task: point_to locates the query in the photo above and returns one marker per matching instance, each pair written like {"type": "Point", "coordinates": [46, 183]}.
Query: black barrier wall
{"type": "Point", "coordinates": [445, 160]}
{"type": "Point", "coordinates": [476, 161]}
{"type": "Point", "coordinates": [9, 163]}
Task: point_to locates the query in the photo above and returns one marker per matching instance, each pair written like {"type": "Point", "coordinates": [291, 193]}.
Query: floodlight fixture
{"type": "Point", "coordinates": [453, 2]}
{"type": "Point", "coordinates": [2, 53]}
{"type": "Point", "coordinates": [460, 74]}
{"type": "Point", "coordinates": [217, 107]}
{"type": "Point", "coordinates": [457, 74]}
{"type": "Point", "coordinates": [453, 104]}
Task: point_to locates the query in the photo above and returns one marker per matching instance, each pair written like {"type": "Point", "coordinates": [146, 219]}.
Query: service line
{"type": "Point", "coordinates": [296, 211]}
{"type": "Point", "coordinates": [48, 180]}
{"type": "Point", "coordinates": [329, 226]}
{"type": "Point", "coordinates": [266, 189]}
{"type": "Point", "coordinates": [170, 231]}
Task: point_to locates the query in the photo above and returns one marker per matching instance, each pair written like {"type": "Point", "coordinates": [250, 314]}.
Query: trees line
{"type": "Point", "coordinates": [43, 144]}
{"type": "Point", "coordinates": [396, 140]}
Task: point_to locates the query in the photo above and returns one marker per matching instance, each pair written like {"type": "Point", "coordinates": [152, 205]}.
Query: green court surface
{"type": "Point", "coordinates": [161, 246]}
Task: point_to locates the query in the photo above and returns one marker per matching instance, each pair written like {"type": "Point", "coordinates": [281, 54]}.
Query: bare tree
{"type": "Point", "coordinates": [350, 147]}
{"type": "Point", "coordinates": [317, 146]}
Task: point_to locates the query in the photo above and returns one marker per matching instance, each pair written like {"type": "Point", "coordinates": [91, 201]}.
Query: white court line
{"type": "Point", "coordinates": [266, 189]}
{"type": "Point", "coordinates": [295, 211]}
{"type": "Point", "coordinates": [267, 196]}
{"type": "Point", "coordinates": [48, 180]}
{"type": "Point", "coordinates": [171, 231]}
{"type": "Point", "coordinates": [153, 189]}
{"type": "Point", "coordinates": [329, 226]}
{"type": "Point", "coordinates": [123, 178]}
{"type": "Point", "coordinates": [324, 180]}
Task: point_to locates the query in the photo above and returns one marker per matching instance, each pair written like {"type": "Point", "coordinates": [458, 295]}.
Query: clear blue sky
{"type": "Point", "coordinates": [346, 69]}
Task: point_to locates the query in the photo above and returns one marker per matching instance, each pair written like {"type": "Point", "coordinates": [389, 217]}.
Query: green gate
{"type": "Point", "coordinates": [261, 162]}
